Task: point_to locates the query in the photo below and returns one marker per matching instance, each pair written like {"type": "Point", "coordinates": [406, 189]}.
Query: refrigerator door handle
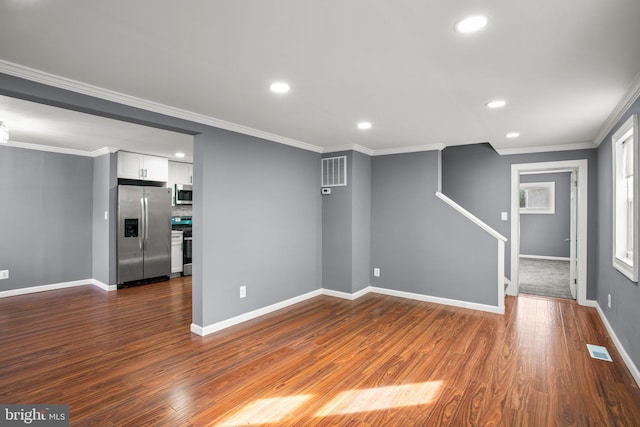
{"type": "Point", "coordinates": [146, 222]}
{"type": "Point", "coordinates": [142, 224]}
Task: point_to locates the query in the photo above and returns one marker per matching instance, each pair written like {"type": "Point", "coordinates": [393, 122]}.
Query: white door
{"type": "Point", "coordinates": [573, 235]}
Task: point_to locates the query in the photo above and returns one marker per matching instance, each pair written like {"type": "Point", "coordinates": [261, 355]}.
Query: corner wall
{"type": "Point", "coordinates": [346, 228]}
{"type": "Point", "coordinates": [257, 223]}
{"type": "Point", "coordinates": [422, 245]}
{"type": "Point", "coordinates": [105, 187]}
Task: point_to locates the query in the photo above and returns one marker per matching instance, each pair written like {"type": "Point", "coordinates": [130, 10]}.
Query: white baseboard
{"type": "Point", "coordinates": [551, 258]}
{"type": "Point", "coordinates": [209, 329]}
{"type": "Point", "coordinates": [54, 286]}
{"type": "Point", "coordinates": [104, 286]}
{"type": "Point", "coordinates": [438, 300]}
{"type": "Point", "coordinates": [42, 288]}
{"type": "Point", "coordinates": [346, 295]}
{"type": "Point", "coordinates": [625, 356]}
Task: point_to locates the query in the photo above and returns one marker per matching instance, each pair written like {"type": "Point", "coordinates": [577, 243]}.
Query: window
{"type": "Point", "coordinates": [625, 196]}
{"type": "Point", "coordinates": [538, 198]}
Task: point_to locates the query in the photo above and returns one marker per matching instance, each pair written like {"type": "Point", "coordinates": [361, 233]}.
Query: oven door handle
{"type": "Point", "coordinates": [188, 238]}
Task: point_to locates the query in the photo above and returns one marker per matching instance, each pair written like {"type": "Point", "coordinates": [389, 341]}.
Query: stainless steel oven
{"type": "Point", "coordinates": [187, 253]}
{"type": "Point", "coordinates": [183, 223]}
{"type": "Point", "coordinates": [184, 194]}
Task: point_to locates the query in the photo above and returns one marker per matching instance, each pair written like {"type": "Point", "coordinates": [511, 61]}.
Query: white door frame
{"type": "Point", "coordinates": [573, 237]}
{"type": "Point", "coordinates": [580, 166]}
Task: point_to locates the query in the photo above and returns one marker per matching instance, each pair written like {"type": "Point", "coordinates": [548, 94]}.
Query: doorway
{"type": "Point", "coordinates": [577, 239]}
{"type": "Point", "coordinates": [545, 234]}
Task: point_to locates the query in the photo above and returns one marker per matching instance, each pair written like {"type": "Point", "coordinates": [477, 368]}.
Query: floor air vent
{"type": "Point", "coordinates": [598, 352]}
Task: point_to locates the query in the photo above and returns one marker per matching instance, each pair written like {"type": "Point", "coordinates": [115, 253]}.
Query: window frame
{"type": "Point", "coordinates": [624, 261]}
{"type": "Point", "coordinates": [551, 189]}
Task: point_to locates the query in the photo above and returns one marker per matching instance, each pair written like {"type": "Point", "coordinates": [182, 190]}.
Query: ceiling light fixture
{"type": "Point", "coordinates": [280, 87]}
{"type": "Point", "coordinates": [512, 135]}
{"type": "Point", "coordinates": [364, 125]}
{"type": "Point", "coordinates": [4, 133]}
{"type": "Point", "coordinates": [497, 103]}
{"type": "Point", "coordinates": [180, 154]}
{"type": "Point", "coordinates": [471, 24]}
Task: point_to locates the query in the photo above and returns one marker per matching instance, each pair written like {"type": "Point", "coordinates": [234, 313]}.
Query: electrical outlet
{"type": "Point", "coordinates": [4, 274]}
{"type": "Point", "coordinates": [106, 214]}
{"type": "Point", "coordinates": [376, 272]}
{"type": "Point", "coordinates": [243, 291]}
{"type": "Point", "coordinates": [504, 216]}
{"type": "Point", "coordinates": [609, 300]}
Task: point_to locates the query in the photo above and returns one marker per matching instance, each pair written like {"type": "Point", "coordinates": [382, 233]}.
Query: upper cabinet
{"type": "Point", "coordinates": [180, 173]}
{"type": "Point", "coordinates": [142, 166]}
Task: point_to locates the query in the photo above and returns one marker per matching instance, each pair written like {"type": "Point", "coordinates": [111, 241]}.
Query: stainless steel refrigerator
{"type": "Point", "coordinates": [144, 233]}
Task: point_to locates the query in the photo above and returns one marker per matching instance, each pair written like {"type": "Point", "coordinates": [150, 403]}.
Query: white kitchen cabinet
{"type": "Point", "coordinates": [176, 251]}
{"type": "Point", "coordinates": [142, 166]}
{"type": "Point", "coordinates": [181, 173]}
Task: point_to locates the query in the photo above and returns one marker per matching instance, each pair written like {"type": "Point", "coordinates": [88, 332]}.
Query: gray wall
{"type": "Point", "coordinates": [346, 228]}
{"type": "Point", "coordinates": [361, 221]}
{"type": "Point", "coordinates": [337, 232]}
{"type": "Point", "coordinates": [421, 244]}
{"type": "Point", "coordinates": [257, 217]}
{"type": "Point", "coordinates": [46, 216]}
{"type": "Point", "coordinates": [545, 234]}
{"type": "Point", "coordinates": [624, 314]}
{"type": "Point", "coordinates": [479, 179]}
{"type": "Point", "coordinates": [105, 186]}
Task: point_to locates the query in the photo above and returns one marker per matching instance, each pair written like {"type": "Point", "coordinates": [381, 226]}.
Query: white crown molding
{"type": "Point", "coordinates": [61, 150]}
{"type": "Point", "coordinates": [49, 148]}
{"type": "Point", "coordinates": [38, 76]}
{"type": "Point", "coordinates": [411, 149]}
{"type": "Point", "coordinates": [102, 151]}
{"type": "Point", "coordinates": [354, 147]}
{"type": "Point", "coordinates": [545, 148]}
{"type": "Point", "coordinates": [623, 106]}
{"type": "Point", "coordinates": [383, 151]}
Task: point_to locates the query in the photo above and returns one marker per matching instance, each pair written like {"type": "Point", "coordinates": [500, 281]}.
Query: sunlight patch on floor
{"type": "Point", "coordinates": [265, 411]}
{"type": "Point", "coordinates": [374, 399]}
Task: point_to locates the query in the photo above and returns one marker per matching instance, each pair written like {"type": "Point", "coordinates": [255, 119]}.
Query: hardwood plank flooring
{"type": "Point", "coordinates": [127, 358]}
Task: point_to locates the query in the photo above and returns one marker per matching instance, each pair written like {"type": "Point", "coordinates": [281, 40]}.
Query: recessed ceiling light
{"type": "Point", "coordinates": [280, 87]}
{"type": "Point", "coordinates": [364, 125]}
{"type": "Point", "coordinates": [471, 24]}
{"type": "Point", "coordinates": [512, 135]}
{"type": "Point", "coordinates": [179, 154]}
{"type": "Point", "coordinates": [497, 103]}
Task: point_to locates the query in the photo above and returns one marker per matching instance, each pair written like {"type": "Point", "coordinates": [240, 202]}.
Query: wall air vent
{"type": "Point", "coordinates": [334, 171]}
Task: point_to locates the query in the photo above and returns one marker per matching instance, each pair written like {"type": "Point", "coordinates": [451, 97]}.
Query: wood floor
{"type": "Point", "coordinates": [127, 358]}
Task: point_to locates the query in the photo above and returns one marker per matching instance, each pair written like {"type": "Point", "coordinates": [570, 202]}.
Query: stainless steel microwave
{"type": "Point", "coordinates": [184, 194]}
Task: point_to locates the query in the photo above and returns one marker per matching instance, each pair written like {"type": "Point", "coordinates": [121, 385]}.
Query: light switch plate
{"type": "Point", "coordinates": [504, 216]}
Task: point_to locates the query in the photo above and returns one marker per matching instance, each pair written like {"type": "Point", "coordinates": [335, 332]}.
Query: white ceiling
{"type": "Point", "coordinates": [42, 125]}
{"type": "Point", "coordinates": [562, 66]}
